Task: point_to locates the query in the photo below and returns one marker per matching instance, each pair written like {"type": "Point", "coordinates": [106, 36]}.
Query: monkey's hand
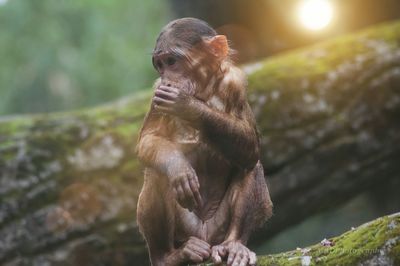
{"type": "Point", "coordinates": [195, 250]}
{"type": "Point", "coordinates": [174, 101]}
{"type": "Point", "coordinates": [238, 254]}
{"type": "Point", "coordinates": [185, 184]}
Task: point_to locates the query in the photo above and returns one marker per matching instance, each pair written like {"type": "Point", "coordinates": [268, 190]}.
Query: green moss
{"type": "Point", "coordinates": [395, 253]}
{"type": "Point", "coordinates": [13, 126]}
{"type": "Point", "coordinates": [350, 248]}
{"type": "Point", "coordinates": [316, 61]}
{"type": "Point", "coordinates": [291, 258]}
{"type": "Point", "coordinates": [133, 106]}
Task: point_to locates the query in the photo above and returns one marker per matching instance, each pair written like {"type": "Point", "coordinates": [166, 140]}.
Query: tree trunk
{"type": "Point", "coordinates": [329, 123]}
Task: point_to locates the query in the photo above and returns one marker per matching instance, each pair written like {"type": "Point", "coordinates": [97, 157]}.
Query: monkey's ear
{"type": "Point", "coordinates": [219, 46]}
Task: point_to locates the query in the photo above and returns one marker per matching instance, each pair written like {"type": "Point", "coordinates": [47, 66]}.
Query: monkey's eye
{"type": "Point", "coordinates": [159, 65]}
{"type": "Point", "coordinates": [170, 61]}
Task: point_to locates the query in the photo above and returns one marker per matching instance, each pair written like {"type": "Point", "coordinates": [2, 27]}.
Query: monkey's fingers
{"type": "Point", "coordinates": [165, 95]}
{"type": "Point", "coordinates": [199, 242]}
{"type": "Point", "coordinates": [161, 101]}
{"type": "Point", "coordinates": [203, 252]}
{"type": "Point", "coordinates": [180, 195]}
{"type": "Point", "coordinates": [216, 258]}
{"type": "Point", "coordinates": [189, 197]}
{"type": "Point", "coordinates": [241, 261]}
{"type": "Point", "coordinates": [218, 252]}
{"type": "Point", "coordinates": [169, 89]}
{"type": "Point", "coordinates": [191, 255]}
{"type": "Point", "coordinates": [174, 192]}
{"type": "Point", "coordinates": [231, 257]}
{"type": "Point", "coordinates": [195, 190]}
{"type": "Point", "coordinates": [222, 251]}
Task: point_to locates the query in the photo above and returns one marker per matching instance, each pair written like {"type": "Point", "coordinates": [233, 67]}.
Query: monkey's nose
{"type": "Point", "coordinates": [168, 85]}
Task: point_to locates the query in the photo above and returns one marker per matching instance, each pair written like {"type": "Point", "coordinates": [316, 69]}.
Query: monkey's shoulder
{"type": "Point", "coordinates": [234, 77]}
{"type": "Point", "coordinates": [216, 102]}
{"type": "Point", "coordinates": [232, 88]}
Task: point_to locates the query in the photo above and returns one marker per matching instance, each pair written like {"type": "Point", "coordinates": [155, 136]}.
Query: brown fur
{"type": "Point", "coordinates": [199, 134]}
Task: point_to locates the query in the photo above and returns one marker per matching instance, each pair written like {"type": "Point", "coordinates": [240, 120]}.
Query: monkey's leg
{"type": "Point", "coordinates": [251, 206]}
{"type": "Point", "coordinates": [250, 202]}
{"type": "Point", "coordinates": [155, 216]}
{"type": "Point", "coordinates": [156, 219]}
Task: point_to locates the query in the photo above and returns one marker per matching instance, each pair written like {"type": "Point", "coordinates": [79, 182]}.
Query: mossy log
{"type": "Point", "coordinates": [371, 244]}
{"type": "Point", "coordinates": [329, 122]}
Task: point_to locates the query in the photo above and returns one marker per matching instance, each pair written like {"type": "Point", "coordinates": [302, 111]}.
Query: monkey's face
{"type": "Point", "coordinates": [187, 53]}
{"type": "Point", "coordinates": [174, 71]}
{"type": "Point", "coordinates": [168, 65]}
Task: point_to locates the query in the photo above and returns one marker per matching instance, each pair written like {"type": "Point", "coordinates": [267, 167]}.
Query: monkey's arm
{"type": "Point", "coordinates": [155, 150]}
{"type": "Point", "coordinates": [153, 146]}
{"type": "Point", "coordinates": [235, 137]}
{"type": "Point", "coordinates": [159, 153]}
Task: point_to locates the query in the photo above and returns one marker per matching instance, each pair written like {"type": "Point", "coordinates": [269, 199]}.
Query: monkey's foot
{"type": "Point", "coordinates": [238, 254]}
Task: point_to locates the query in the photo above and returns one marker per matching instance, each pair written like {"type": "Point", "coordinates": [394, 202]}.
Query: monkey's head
{"type": "Point", "coordinates": [188, 50]}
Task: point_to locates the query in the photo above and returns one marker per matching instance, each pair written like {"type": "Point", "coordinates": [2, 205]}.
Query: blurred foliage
{"type": "Point", "coordinates": [326, 224]}
{"type": "Point", "coordinates": [58, 55]}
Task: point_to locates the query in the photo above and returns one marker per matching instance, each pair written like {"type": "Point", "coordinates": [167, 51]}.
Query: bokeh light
{"type": "Point", "coordinates": [315, 14]}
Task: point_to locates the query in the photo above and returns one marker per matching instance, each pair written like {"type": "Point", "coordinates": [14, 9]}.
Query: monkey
{"type": "Point", "coordinates": [204, 188]}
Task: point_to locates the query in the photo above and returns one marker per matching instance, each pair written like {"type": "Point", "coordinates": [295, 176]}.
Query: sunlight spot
{"type": "Point", "coordinates": [3, 2]}
{"type": "Point", "coordinates": [315, 14]}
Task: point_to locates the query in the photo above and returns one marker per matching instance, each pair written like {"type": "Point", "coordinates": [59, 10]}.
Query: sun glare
{"type": "Point", "coordinates": [3, 2]}
{"type": "Point", "coordinates": [315, 14]}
